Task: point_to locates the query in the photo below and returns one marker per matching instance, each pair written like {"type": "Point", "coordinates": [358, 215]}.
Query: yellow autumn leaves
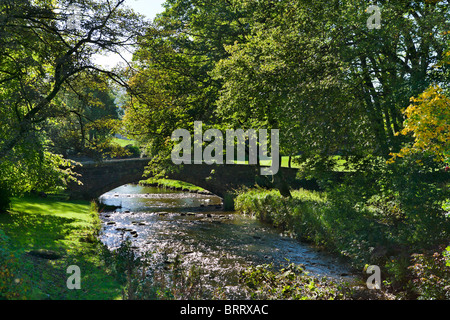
{"type": "Point", "coordinates": [428, 120]}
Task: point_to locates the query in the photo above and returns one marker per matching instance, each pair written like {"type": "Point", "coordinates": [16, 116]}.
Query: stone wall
{"type": "Point", "coordinates": [101, 177]}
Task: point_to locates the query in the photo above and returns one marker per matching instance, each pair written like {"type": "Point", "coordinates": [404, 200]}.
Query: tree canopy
{"type": "Point", "coordinates": [314, 70]}
{"type": "Point", "coordinates": [43, 56]}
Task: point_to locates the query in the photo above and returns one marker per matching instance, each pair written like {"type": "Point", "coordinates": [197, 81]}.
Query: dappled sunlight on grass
{"type": "Point", "coordinates": [67, 229]}
{"type": "Point", "coordinates": [72, 210]}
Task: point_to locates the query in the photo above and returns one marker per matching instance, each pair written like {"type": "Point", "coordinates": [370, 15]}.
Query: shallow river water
{"type": "Point", "coordinates": [194, 228]}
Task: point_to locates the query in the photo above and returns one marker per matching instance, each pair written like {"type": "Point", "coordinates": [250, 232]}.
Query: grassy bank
{"type": "Point", "coordinates": [40, 239]}
{"type": "Point", "coordinates": [125, 142]}
{"type": "Point", "coordinates": [302, 216]}
{"type": "Point", "coordinates": [171, 184]}
{"type": "Point", "coordinates": [410, 267]}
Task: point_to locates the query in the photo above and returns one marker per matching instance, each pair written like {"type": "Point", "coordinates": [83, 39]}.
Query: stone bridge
{"type": "Point", "coordinates": [101, 177]}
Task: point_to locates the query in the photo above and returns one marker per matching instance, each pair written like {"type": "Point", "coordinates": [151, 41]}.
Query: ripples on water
{"type": "Point", "coordinates": [192, 227]}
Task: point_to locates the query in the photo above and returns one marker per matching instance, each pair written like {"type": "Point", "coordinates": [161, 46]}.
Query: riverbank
{"type": "Point", "coordinates": [410, 269]}
{"type": "Point", "coordinates": [40, 238]}
{"type": "Point", "coordinates": [213, 250]}
{"type": "Point", "coordinates": [173, 185]}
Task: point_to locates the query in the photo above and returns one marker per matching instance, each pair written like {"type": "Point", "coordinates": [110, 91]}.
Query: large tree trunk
{"type": "Point", "coordinates": [281, 184]}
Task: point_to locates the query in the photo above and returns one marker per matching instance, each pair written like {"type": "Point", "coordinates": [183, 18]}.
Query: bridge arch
{"type": "Point", "coordinates": [100, 177]}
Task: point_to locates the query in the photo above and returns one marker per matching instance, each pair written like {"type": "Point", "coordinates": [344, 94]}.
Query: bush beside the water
{"type": "Point", "coordinates": [362, 233]}
{"type": "Point", "coordinates": [290, 283]}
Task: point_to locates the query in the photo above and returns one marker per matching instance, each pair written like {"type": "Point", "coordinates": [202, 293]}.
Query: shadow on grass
{"type": "Point", "coordinates": [63, 228]}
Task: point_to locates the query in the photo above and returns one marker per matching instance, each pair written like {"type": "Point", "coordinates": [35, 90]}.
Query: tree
{"type": "Point", "coordinates": [171, 86]}
{"type": "Point", "coordinates": [92, 119]}
{"type": "Point", "coordinates": [428, 119]}
{"type": "Point", "coordinates": [331, 84]}
{"type": "Point", "coordinates": [312, 69]}
{"type": "Point", "coordinates": [288, 76]}
{"type": "Point", "coordinates": [42, 54]}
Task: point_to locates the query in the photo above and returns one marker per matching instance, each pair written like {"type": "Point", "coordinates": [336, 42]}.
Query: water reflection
{"type": "Point", "coordinates": [191, 226]}
{"type": "Point", "coordinates": [148, 199]}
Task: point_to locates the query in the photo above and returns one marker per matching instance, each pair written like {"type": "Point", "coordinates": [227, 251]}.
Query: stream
{"type": "Point", "coordinates": [194, 227]}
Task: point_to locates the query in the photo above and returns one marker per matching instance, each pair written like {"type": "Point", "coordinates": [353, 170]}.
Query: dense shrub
{"type": "Point", "coordinates": [380, 217]}
{"type": "Point", "coordinates": [430, 275]}
{"type": "Point", "coordinates": [291, 282]}
{"type": "Point", "coordinates": [310, 216]}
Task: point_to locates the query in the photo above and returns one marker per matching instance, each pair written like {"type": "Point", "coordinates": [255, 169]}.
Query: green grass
{"type": "Point", "coordinates": [124, 142]}
{"type": "Point", "coordinates": [284, 163]}
{"type": "Point", "coordinates": [309, 216]}
{"type": "Point", "coordinates": [172, 184]}
{"type": "Point", "coordinates": [67, 228]}
{"type": "Point", "coordinates": [340, 163]}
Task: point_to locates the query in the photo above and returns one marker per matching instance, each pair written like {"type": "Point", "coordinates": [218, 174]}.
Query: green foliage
{"type": "Point", "coordinates": [172, 86]}
{"type": "Point", "coordinates": [407, 197]}
{"type": "Point", "coordinates": [357, 224]}
{"type": "Point", "coordinates": [89, 124]}
{"type": "Point", "coordinates": [430, 276]}
{"type": "Point", "coordinates": [170, 184]}
{"type": "Point", "coordinates": [311, 69]}
{"type": "Point", "coordinates": [446, 255]}
{"type": "Point", "coordinates": [46, 63]}
{"type": "Point", "coordinates": [69, 229]}
{"type": "Point", "coordinates": [300, 215]}
{"type": "Point", "coordinates": [34, 170]}
{"type": "Point", "coordinates": [123, 261]}
{"type": "Point", "coordinates": [278, 80]}
{"type": "Point", "coordinates": [289, 283]}
{"type": "Point", "coordinates": [133, 151]}
{"type": "Point", "coordinates": [336, 90]}
{"type": "Point", "coordinates": [181, 284]}
{"type": "Point", "coordinates": [409, 194]}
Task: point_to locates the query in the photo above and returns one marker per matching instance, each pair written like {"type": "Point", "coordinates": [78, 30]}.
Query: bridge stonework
{"type": "Point", "coordinates": [100, 177]}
